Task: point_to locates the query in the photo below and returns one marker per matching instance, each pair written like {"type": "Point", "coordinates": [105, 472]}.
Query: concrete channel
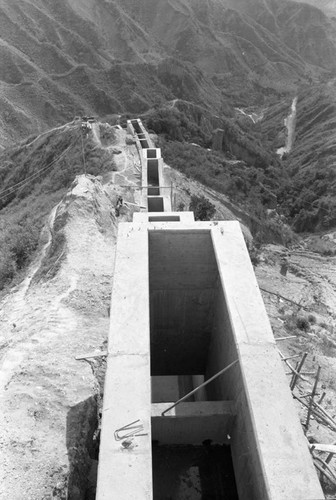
{"type": "Point", "coordinates": [185, 307]}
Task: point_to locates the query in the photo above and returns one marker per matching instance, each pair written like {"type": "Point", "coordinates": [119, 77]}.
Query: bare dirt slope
{"type": "Point", "coordinates": [48, 399]}
{"type": "Point", "coordinates": [311, 283]}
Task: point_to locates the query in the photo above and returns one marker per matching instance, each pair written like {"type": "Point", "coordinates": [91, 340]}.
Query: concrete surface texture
{"type": "Point", "coordinates": [163, 217]}
{"type": "Point", "coordinates": [185, 304]}
{"type": "Point", "coordinates": [125, 462]}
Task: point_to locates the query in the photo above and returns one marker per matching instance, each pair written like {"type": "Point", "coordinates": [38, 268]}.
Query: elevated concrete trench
{"type": "Point", "coordinates": [152, 153]}
{"type": "Point", "coordinates": [144, 143]}
{"type": "Point", "coordinates": [185, 305]}
{"type": "Point", "coordinates": [137, 127]}
{"type": "Point", "coordinates": [155, 204]}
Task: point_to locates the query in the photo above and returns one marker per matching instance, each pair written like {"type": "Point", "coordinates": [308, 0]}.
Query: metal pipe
{"type": "Point", "coordinates": [199, 387]}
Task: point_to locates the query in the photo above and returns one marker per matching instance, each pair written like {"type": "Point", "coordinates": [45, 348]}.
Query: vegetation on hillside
{"type": "Point", "coordinates": [34, 177]}
{"type": "Point", "coordinates": [253, 189]}
{"type": "Point", "coordinates": [308, 198]}
{"type": "Point", "coordinates": [302, 187]}
{"type": "Point", "coordinates": [175, 125]}
{"type": "Point", "coordinates": [203, 208]}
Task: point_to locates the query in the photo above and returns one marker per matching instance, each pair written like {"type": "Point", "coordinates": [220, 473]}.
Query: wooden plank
{"type": "Point", "coordinates": [92, 355]}
{"type": "Point", "coordinates": [299, 368]}
{"type": "Point", "coordinates": [310, 407]}
{"type": "Point", "coordinates": [328, 448]}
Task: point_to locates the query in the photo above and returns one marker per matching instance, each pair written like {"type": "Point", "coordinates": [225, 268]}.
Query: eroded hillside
{"type": "Point", "coordinates": [66, 58]}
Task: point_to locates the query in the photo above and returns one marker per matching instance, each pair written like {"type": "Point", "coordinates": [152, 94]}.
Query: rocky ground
{"type": "Point", "coordinates": [49, 400]}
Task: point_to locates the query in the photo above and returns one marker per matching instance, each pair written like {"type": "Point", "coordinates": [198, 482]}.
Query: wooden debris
{"type": "Point", "coordinates": [291, 357]}
{"type": "Point", "coordinates": [322, 398]}
{"type": "Point", "coordinates": [319, 413]}
{"type": "Point", "coordinates": [292, 369]}
{"type": "Point", "coordinates": [92, 355]}
{"type": "Point", "coordinates": [324, 472]}
{"type": "Point", "coordinates": [302, 373]}
{"type": "Point", "coordinates": [285, 338]}
{"type": "Point", "coordinates": [286, 299]}
{"type": "Point", "coordinates": [328, 448]}
{"type": "Point", "coordinates": [298, 369]}
{"type": "Point", "coordinates": [323, 467]}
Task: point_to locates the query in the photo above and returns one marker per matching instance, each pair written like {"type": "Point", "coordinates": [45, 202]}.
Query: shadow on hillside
{"type": "Point", "coordinates": [82, 450]}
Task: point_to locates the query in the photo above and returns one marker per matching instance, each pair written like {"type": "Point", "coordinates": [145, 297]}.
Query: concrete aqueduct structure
{"type": "Point", "coordinates": [186, 306]}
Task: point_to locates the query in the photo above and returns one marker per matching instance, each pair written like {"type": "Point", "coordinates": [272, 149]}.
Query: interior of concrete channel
{"type": "Point", "coordinates": [183, 287]}
{"type": "Point", "coordinates": [193, 473]}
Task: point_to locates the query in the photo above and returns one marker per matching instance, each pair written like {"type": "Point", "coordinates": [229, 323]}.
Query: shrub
{"type": "Point", "coordinates": [203, 208]}
{"type": "Point", "coordinates": [312, 319]}
{"type": "Point", "coordinates": [302, 323]}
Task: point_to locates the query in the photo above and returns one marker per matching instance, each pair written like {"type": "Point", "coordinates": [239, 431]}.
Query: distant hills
{"type": "Point", "coordinates": [61, 59]}
{"type": "Point", "coordinates": [328, 6]}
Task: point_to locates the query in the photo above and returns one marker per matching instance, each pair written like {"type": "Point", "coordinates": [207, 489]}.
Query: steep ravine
{"type": "Point", "coordinates": [290, 122]}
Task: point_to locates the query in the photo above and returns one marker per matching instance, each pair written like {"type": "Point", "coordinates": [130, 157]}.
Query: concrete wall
{"type": "Point", "coordinates": [270, 453]}
{"type": "Point", "coordinates": [193, 423]}
{"type": "Point", "coordinates": [183, 276]}
{"type": "Point", "coordinates": [186, 301]}
{"type": "Point", "coordinates": [125, 473]}
{"type": "Point", "coordinates": [144, 217]}
{"type": "Point", "coordinates": [152, 153]}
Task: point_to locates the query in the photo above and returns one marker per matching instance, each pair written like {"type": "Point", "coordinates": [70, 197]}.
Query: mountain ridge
{"type": "Point", "coordinates": [50, 49]}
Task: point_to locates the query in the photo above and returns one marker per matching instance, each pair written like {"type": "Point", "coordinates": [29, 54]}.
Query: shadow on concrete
{"type": "Point", "coordinates": [198, 472]}
{"type": "Point", "coordinates": [83, 447]}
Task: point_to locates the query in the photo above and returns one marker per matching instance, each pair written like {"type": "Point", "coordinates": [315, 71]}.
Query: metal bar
{"type": "Point", "coordinates": [285, 338]}
{"type": "Point", "coordinates": [199, 387]}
